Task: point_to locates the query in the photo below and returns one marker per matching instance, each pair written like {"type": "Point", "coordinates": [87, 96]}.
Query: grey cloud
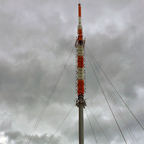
{"type": "Point", "coordinates": [6, 125]}
{"type": "Point", "coordinates": [36, 39]}
{"type": "Point", "coordinates": [13, 135]}
{"type": "Point", "coordinates": [19, 138]}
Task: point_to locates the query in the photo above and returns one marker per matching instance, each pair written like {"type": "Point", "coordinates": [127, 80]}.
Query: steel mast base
{"type": "Point", "coordinates": [80, 103]}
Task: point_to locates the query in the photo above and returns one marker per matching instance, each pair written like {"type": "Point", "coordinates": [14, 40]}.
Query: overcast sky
{"type": "Point", "coordinates": [36, 38]}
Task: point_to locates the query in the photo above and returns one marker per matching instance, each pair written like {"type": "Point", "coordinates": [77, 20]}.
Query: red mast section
{"type": "Point", "coordinates": [80, 43]}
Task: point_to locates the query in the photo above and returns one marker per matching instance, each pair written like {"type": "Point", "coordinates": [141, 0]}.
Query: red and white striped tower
{"type": "Point", "coordinates": [80, 81]}
{"type": "Point", "coordinates": [80, 43]}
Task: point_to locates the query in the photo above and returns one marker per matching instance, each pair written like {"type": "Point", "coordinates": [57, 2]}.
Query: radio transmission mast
{"type": "Point", "coordinates": [80, 75]}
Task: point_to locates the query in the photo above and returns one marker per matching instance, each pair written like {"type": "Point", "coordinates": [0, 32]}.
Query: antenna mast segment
{"type": "Point", "coordinates": [80, 75]}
